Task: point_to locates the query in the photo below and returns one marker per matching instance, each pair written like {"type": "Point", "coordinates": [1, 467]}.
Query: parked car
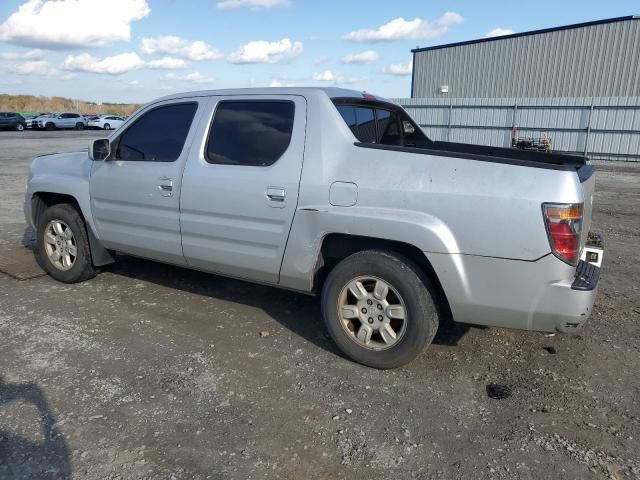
{"type": "Point", "coordinates": [330, 192]}
{"type": "Point", "coordinates": [107, 122]}
{"type": "Point", "coordinates": [13, 121]}
{"type": "Point", "coordinates": [54, 121]}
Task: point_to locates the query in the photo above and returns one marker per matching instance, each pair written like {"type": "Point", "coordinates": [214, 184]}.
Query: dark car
{"type": "Point", "coordinates": [13, 121]}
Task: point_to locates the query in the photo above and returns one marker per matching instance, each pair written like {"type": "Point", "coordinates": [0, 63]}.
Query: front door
{"type": "Point", "coordinates": [135, 193]}
{"type": "Point", "coordinates": [240, 188]}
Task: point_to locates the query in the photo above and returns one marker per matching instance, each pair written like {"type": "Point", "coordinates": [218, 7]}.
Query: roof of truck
{"type": "Point", "coordinates": [331, 92]}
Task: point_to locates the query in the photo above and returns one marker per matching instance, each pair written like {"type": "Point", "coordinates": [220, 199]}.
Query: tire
{"type": "Point", "coordinates": [413, 291]}
{"type": "Point", "coordinates": [107, 126]}
{"type": "Point", "coordinates": [20, 127]}
{"type": "Point", "coordinates": [79, 126]}
{"type": "Point", "coordinates": [81, 268]}
{"type": "Point", "coordinates": [50, 126]}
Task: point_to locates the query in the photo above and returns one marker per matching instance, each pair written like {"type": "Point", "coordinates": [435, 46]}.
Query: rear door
{"type": "Point", "coordinates": [240, 188]}
{"type": "Point", "coordinates": [135, 193]}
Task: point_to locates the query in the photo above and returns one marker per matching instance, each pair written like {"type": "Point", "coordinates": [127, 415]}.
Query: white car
{"type": "Point", "coordinates": [108, 122]}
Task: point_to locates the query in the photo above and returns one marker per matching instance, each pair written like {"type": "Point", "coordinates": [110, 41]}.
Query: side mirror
{"type": "Point", "coordinates": [99, 149]}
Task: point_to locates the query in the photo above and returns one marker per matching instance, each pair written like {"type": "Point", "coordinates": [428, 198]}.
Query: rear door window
{"type": "Point", "coordinates": [158, 135]}
{"type": "Point", "coordinates": [250, 132]}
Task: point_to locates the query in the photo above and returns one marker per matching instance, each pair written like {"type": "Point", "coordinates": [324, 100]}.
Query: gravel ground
{"type": "Point", "coordinates": [151, 371]}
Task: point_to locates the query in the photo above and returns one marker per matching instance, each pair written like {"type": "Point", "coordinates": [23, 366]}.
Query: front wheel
{"type": "Point", "coordinates": [107, 126]}
{"type": "Point", "coordinates": [20, 127]}
{"type": "Point", "coordinates": [379, 309]}
{"type": "Point", "coordinates": [63, 245]}
{"type": "Point", "coordinates": [50, 126]}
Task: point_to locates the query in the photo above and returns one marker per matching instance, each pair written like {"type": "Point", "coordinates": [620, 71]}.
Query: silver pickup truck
{"type": "Point", "coordinates": [331, 192]}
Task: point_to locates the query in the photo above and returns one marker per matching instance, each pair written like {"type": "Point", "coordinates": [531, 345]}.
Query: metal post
{"type": "Point", "coordinates": [586, 137]}
{"type": "Point", "coordinates": [514, 122]}
{"type": "Point", "coordinates": [449, 127]}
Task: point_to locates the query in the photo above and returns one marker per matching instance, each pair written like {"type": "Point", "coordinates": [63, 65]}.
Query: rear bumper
{"type": "Point", "coordinates": [545, 295]}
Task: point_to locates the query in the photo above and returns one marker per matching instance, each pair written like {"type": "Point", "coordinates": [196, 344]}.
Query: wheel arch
{"type": "Point", "coordinates": [338, 246]}
{"type": "Point", "coordinates": [41, 200]}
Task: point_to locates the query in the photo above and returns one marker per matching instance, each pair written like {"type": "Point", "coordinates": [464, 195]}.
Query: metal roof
{"type": "Point", "coordinates": [532, 32]}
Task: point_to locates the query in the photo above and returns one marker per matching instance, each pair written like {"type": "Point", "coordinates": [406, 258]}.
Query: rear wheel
{"type": "Point", "coordinates": [79, 126]}
{"type": "Point", "coordinates": [107, 126]}
{"type": "Point", "coordinates": [63, 245]}
{"type": "Point", "coordinates": [19, 127]}
{"type": "Point", "coordinates": [379, 309]}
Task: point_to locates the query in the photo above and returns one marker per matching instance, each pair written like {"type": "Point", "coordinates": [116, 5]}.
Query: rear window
{"type": "Point", "coordinates": [384, 126]}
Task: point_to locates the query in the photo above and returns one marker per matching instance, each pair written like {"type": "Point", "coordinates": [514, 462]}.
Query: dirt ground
{"type": "Point", "coordinates": [150, 371]}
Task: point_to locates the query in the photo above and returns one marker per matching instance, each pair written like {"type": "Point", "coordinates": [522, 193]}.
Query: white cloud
{"type": "Point", "coordinates": [115, 65]}
{"type": "Point", "coordinates": [179, 47]}
{"type": "Point", "coordinates": [335, 78]}
{"type": "Point", "coordinates": [34, 67]}
{"type": "Point", "coordinates": [401, 29]}
{"type": "Point", "coordinates": [253, 4]}
{"type": "Point", "coordinates": [368, 56]}
{"type": "Point", "coordinates": [59, 24]}
{"type": "Point", "coordinates": [399, 69]}
{"type": "Point", "coordinates": [498, 32]}
{"type": "Point", "coordinates": [119, 64]}
{"type": "Point", "coordinates": [36, 53]}
{"type": "Point", "coordinates": [195, 77]}
{"type": "Point", "coordinates": [167, 63]}
{"type": "Point", "coordinates": [267, 52]}
{"type": "Point", "coordinates": [326, 76]}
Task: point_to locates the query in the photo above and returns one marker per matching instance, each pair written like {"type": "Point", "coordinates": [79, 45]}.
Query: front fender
{"type": "Point", "coordinates": [75, 187]}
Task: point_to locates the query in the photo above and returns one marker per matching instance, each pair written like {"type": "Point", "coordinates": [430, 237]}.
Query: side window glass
{"type": "Point", "coordinates": [366, 124]}
{"type": "Point", "coordinates": [348, 113]}
{"type": "Point", "coordinates": [388, 128]}
{"type": "Point", "coordinates": [158, 135]}
{"type": "Point", "coordinates": [252, 132]}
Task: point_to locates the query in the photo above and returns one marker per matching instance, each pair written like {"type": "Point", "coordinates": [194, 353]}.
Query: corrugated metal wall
{"type": "Point", "coordinates": [591, 61]}
{"type": "Point", "coordinates": [606, 128]}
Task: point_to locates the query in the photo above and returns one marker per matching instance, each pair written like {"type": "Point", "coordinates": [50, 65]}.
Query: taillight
{"type": "Point", "coordinates": [564, 226]}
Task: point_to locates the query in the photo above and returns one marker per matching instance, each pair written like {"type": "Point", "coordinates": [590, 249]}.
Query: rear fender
{"type": "Point", "coordinates": [312, 225]}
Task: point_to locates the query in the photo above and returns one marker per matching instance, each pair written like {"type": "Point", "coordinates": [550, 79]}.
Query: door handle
{"type": "Point", "coordinates": [166, 187]}
{"type": "Point", "coordinates": [276, 194]}
{"type": "Point", "coordinates": [276, 197]}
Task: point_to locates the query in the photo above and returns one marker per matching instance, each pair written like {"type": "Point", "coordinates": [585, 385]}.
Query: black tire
{"type": "Point", "coordinates": [50, 126]}
{"type": "Point", "coordinates": [20, 127]}
{"type": "Point", "coordinates": [82, 268]}
{"type": "Point", "coordinates": [107, 126]}
{"type": "Point", "coordinates": [412, 285]}
{"type": "Point", "coordinates": [79, 126]}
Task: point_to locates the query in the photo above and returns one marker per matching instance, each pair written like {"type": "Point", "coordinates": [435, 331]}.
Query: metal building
{"type": "Point", "coordinates": [592, 59]}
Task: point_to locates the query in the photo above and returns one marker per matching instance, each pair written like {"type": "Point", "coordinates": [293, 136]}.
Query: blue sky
{"type": "Point", "coordinates": [136, 50]}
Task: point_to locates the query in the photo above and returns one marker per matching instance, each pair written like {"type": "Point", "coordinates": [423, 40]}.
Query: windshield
{"type": "Point", "coordinates": [381, 123]}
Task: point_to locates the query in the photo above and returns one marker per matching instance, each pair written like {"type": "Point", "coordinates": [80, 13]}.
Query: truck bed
{"type": "Point", "coordinates": [490, 154]}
